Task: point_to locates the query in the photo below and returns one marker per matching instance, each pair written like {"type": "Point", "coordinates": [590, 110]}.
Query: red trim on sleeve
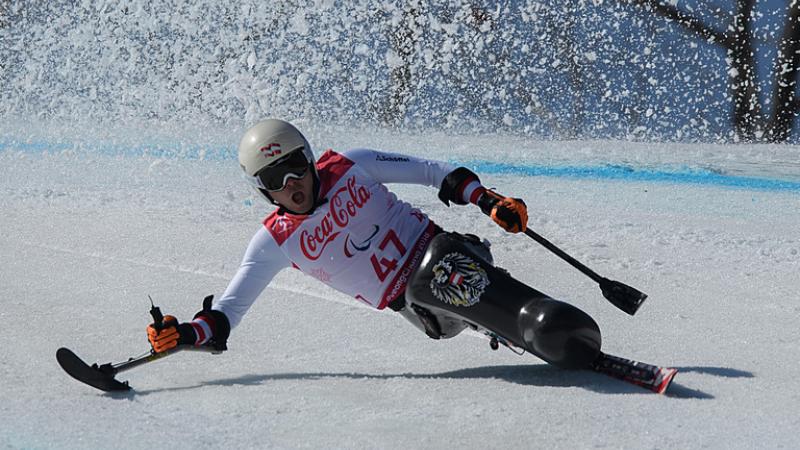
{"type": "Point", "coordinates": [201, 334]}
{"type": "Point", "coordinates": [476, 194]}
{"type": "Point", "coordinates": [200, 331]}
{"type": "Point", "coordinates": [463, 185]}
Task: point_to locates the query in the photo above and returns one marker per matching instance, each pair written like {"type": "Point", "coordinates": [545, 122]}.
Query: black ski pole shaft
{"type": "Point", "coordinates": [149, 357]}
{"type": "Point", "coordinates": [622, 296]}
{"type": "Point", "coordinates": [153, 356]}
{"type": "Point", "coordinates": [563, 255]}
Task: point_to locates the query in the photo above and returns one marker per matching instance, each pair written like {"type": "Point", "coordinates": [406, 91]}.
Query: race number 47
{"type": "Point", "coordinates": [385, 266]}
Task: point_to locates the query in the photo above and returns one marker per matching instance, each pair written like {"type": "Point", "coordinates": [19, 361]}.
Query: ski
{"type": "Point", "coordinates": [100, 377]}
{"type": "Point", "coordinates": [648, 376]}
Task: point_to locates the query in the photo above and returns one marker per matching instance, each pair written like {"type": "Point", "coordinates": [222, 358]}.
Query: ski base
{"type": "Point", "coordinates": [648, 376]}
{"type": "Point", "coordinates": [100, 377]}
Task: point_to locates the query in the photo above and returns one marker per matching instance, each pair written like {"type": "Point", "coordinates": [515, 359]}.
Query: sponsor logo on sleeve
{"type": "Point", "coordinates": [392, 158]}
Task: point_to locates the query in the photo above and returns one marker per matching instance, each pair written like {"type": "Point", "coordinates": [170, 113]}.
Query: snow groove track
{"type": "Point", "coordinates": [280, 286]}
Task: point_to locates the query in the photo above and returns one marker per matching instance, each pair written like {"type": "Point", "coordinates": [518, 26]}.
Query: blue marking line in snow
{"type": "Point", "coordinates": [686, 175]}
{"type": "Point", "coordinates": [627, 173]}
{"type": "Point", "coordinates": [167, 151]}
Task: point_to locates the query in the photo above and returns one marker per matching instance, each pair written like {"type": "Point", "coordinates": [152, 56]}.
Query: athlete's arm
{"type": "Point", "coordinates": [458, 185]}
{"type": "Point", "coordinates": [260, 264]}
{"type": "Point", "coordinates": [262, 261]}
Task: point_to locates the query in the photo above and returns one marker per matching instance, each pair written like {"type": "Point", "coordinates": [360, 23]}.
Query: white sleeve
{"type": "Point", "coordinates": [262, 261]}
{"type": "Point", "coordinates": [396, 168]}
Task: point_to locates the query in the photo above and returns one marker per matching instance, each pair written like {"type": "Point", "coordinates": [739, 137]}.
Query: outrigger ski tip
{"type": "Point", "coordinates": [100, 377]}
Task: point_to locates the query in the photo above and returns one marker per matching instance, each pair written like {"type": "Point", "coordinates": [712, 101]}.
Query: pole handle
{"type": "Point", "coordinates": [158, 318]}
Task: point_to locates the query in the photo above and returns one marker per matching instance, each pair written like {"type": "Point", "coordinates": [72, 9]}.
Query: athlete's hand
{"type": "Point", "coordinates": [170, 334]}
{"type": "Point", "coordinates": [510, 213]}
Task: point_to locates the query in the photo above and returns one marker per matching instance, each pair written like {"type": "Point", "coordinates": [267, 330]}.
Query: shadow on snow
{"type": "Point", "coordinates": [527, 375]}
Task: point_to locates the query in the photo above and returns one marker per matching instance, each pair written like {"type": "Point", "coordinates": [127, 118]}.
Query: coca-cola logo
{"type": "Point", "coordinates": [344, 205]}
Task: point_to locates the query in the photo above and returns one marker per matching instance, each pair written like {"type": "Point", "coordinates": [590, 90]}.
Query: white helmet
{"type": "Point", "coordinates": [269, 144]}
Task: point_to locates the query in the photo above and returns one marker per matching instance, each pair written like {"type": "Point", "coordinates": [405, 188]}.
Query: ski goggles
{"type": "Point", "coordinates": [274, 177]}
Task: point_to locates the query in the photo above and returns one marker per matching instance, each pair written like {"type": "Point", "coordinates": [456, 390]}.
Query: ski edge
{"type": "Point", "coordinates": [653, 378]}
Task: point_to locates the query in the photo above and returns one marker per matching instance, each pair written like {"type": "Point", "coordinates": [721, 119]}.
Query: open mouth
{"type": "Point", "coordinates": [298, 197]}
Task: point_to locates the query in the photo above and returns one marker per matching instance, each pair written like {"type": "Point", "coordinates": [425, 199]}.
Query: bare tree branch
{"type": "Point", "coordinates": [690, 23]}
{"type": "Point", "coordinates": [739, 42]}
{"type": "Point", "coordinates": [403, 41]}
{"type": "Point", "coordinates": [784, 102]}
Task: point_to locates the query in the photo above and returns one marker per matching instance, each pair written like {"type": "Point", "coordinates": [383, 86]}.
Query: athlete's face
{"type": "Point", "coordinates": [297, 195]}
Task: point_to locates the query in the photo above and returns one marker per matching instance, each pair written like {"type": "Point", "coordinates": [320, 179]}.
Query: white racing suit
{"type": "Point", "coordinates": [360, 239]}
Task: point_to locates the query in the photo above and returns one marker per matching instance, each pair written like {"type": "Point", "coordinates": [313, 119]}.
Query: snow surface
{"type": "Point", "coordinates": [86, 236]}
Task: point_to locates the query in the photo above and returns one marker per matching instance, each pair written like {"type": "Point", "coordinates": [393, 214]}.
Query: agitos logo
{"type": "Point", "coordinates": [271, 150]}
{"type": "Point", "coordinates": [364, 246]}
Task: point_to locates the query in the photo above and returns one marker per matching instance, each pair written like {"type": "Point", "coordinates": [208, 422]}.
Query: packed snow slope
{"type": "Point", "coordinates": [88, 235]}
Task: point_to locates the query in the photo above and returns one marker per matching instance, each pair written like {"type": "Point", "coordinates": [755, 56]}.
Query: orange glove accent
{"type": "Point", "coordinates": [165, 338]}
{"type": "Point", "coordinates": [511, 214]}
